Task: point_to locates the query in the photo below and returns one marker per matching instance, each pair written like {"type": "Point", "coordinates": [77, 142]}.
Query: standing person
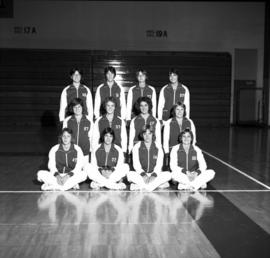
{"type": "Point", "coordinates": [188, 164]}
{"type": "Point", "coordinates": [110, 89]}
{"type": "Point", "coordinates": [109, 119]}
{"type": "Point", "coordinates": [75, 90]}
{"type": "Point", "coordinates": [65, 165]}
{"type": "Point", "coordinates": [81, 126]}
{"type": "Point", "coordinates": [147, 162]}
{"type": "Point", "coordinates": [175, 125]}
{"type": "Point", "coordinates": [170, 94]}
{"type": "Point", "coordinates": [107, 166]}
{"type": "Point", "coordinates": [145, 117]}
{"type": "Point", "coordinates": [141, 89]}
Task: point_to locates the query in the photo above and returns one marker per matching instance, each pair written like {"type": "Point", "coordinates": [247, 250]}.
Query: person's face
{"type": "Point", "coordinates": [147, 136]}
{"type": "Point", "coordinates": [66, 138]}
{"type": "Point", "coordinates": [110, 107]}
{"type": "Point", "coordinates": [76, 77]}
{"type": "Point", "coordinates": [173, 78]}
{"type": "Point", "coordinates": [108, 138]}
{"type": "Point", "coordinates": [144, 107]}
{"type": "Point", "coordinates": [77, 109]}
{"type": "Point", "coordinates": [141, 77]}
{"type": "Point", "coordinates": [179, 112]}
{"type": "Point", "coordinates": [110, 76]}
{"type": "Point", "coordinates": [186, 138]}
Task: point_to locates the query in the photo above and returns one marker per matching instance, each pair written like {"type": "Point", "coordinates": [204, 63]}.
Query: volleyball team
{"type": "Point", "coordinates": [138, 145]}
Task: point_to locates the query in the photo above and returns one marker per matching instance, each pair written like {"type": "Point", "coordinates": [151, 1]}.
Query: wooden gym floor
{"type": "Point", "coordinates": [230, 219]}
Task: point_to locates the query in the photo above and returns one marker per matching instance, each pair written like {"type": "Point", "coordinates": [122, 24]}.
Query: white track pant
{"type": "Point", "coordinates": [137, 179]}
{"type": "Point", "coordinates": [198, 182]}
{"type": "Point", "coordinates": [48, 178]}
{"type": "Point", "coordinates": [94, 174]}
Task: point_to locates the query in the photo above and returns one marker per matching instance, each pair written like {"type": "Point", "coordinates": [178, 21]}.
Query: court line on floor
{"type": "Point", "coordinates": [159, 191]}
{"type": "Point", "coordinates": [237, 170]}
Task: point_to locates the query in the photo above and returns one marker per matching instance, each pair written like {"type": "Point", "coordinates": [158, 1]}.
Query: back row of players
{"type": "Point", "coordinates": [106, 138]}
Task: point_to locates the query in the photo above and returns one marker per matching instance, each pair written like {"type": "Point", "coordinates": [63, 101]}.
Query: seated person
{"type": "Point", "coordinates": [81, 126]}
{"type": "Point", "coordinates": [145, 117]}
{"type": "Point", "coordinates": [107, 166]}
{"type": "Point", "coordinates": [110, 119]}
{"type": "Point", "coordinates": [188, 164]}
{"type": "Point", "coordinates": [65, 165]}
{"type": "Point", "coordinates": [174, 126]}
{"type": "Point", "coordinates": [147, 162]}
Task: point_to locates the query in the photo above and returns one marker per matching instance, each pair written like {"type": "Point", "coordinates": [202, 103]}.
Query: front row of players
{"type": "Point", "coordinates": [68, 167]}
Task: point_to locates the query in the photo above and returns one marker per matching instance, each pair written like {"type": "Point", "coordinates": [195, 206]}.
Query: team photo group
{"type": "Point", "coordinates": [142, 142]}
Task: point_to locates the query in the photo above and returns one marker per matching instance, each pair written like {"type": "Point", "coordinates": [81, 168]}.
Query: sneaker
{"type": "Point", "coordinates": [134, 187]}
{"type": "Point", "coordinates": [76, 187]}
{"type": "Point", "coordinates": [204, 186]}
{"type": "Point", "coordinates": [122, 186]}
{"type": "Point", "coordinates": [184, 187]}
{"type": "Point", "coordinates": [94, 185]}
{"type": "Point", "coordinates": [47, 187]}
{"type": "Point", "coordinates": [165, 185]}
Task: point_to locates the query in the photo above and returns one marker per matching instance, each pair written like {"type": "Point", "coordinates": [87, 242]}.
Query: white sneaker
{"type": "Point", "coordinates": [94, 185]}
{"type": "Point", "coordinates": [204, 186]}
{"type": "Point", "coordinates": [122, 186]}
{"type": "Point", "coordinates": [134, 187]}
{"type": "Point", "coordinates": [184, 187]}
{"type": "Point", "coordinates": [165, 185]}
{"type": "Point", "coordinates": [76, 187]}
{"type": "Point", "coordinates": [47, 187]}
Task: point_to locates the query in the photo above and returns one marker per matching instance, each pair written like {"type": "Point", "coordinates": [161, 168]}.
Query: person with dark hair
{"type": "Point", "coordinates": [145, 117]}
{"type": "Point", "coordinates": [107, 166]}
{"type": "Point", "coordinates": [75, 90]}
{"type": "Point", "coordinates": [65, 165]}
{"type": "Point", "coordinates": [110, 89]}
{"type": "Point", "coordinates": [81, 125]}
{"type": "Point", "coordinates": [188, 164]}
{"type": "Point", "coordinates": [111, 120]}
{"type": "Point", "coordinates": [170, 94]}
{"type": "Point", "coordinates": [141, 89]}
{"type": "Point", "coordinates": [147, 162]}
{"type": "Point", "coordinates": [175, 125]}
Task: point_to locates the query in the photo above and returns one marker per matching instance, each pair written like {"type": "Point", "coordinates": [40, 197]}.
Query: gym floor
{"type": "Point", "coordinates": [231, 218]}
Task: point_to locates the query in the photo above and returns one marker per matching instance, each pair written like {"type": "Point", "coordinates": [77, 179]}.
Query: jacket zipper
{"type": "Point", "coordinates": [106, 160]}
{"type": "Point", "coordinates": [148, 160]}
{"type": "Point", "coordinates": [78, 132]}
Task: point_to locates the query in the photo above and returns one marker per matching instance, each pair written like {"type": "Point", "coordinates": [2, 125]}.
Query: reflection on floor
{"type": "Point", "coordinates": [127, 224]}
{"type": "Point", "coordinates": [230, 219]}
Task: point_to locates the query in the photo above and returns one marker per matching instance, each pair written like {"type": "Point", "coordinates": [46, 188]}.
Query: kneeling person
{"type": "Point", "coordinates": [65, 165]}
{"type": "Point", "coordinates": [107, 166]}
{"type": "Point", "coordinates": [147, 162]}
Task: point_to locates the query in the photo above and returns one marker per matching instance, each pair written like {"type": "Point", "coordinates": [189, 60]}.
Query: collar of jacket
{"type": "Point", "coordinates": [62, 149]}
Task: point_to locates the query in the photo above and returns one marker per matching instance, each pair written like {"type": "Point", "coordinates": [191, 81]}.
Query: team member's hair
{"type": "Point", "coordinates": [143, 131]}
{"type": "Point", "coordinates": [104, 103]}
{"type": "Point", "coordinates": [109, 69]}
{"type": "Point", "coordinates": [74, 69]}
{"type": "Point", "coordinates": [75, 102]}
{"type": "Point", "coordinates": [179, 103]}
{"type": "Point", "coordinates": [187, 130]}
{"type": "Point", "coordinates": [108, 99]}
{"type": "Point", "coordinates": [175, 71]}
{"type": "Point", "coordinates": [148, 101]}
{"type": "Point", "coordinates": [69, 131]}
{"type": "Point", "coordinates": [105, 131]}
{"type": "Point", "coordinates": [144, 72]}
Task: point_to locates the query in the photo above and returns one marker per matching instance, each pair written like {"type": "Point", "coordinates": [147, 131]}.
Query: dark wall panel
{"type": "Point", "coordinates": [31, 81]}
